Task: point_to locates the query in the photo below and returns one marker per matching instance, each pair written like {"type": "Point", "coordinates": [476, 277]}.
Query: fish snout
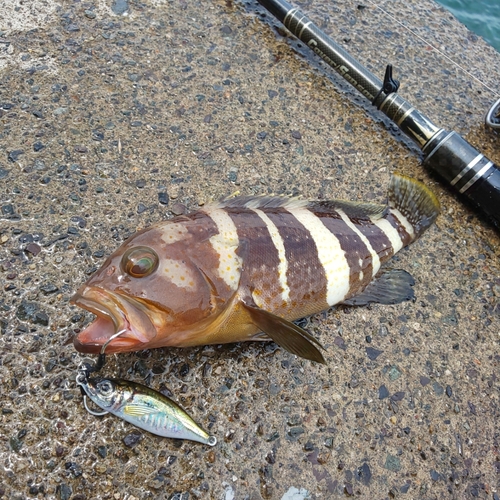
{"type": "Point", "coordinates": [115, 312]}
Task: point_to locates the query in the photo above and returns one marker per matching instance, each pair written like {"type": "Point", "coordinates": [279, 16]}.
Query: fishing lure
{"type": "Point", "coordinates": [141, 406]}
{"type": "Point", "coordinates": [137, 404]}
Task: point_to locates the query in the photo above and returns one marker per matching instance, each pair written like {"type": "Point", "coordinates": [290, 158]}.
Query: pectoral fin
{"type": "Point", "coordinates": [139, 409]}
{"type": "Point", "coordinates": [286, 334]}
{"type": "Point", "coordinates": [390, 287]}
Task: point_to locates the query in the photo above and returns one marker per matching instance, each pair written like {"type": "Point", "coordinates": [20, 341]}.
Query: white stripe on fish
{"type": "Point", "coordinates": [225, 243]}
{"type": "Point", "coordinates": [330, 254]}
{"type": "Point", "coordinates": [280, 246]}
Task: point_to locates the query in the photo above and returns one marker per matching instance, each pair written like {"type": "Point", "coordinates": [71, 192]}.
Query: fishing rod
{"type": "Point", "coordinates": [446, 153]}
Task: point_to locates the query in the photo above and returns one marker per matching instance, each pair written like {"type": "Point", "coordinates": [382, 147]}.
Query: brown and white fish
{"type": "Point", "coordinates": [245, 268]}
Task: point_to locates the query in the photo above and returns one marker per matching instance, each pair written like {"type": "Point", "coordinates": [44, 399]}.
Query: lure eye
{"type": "Point", "coordinates": [139, 262]}
{"type": "Point", "coordinates": [105, 388]}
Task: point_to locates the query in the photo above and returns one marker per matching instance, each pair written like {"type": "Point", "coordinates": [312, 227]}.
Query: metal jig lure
{"type": "Point", "coordinates": [138, 404]}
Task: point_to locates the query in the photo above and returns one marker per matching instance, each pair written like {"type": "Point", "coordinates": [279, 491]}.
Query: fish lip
{"type": "Point", "coordinates": [115, 312]}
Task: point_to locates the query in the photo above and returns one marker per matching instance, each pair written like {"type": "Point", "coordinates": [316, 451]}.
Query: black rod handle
{"type": "Point", "coordinates": [466, 170]}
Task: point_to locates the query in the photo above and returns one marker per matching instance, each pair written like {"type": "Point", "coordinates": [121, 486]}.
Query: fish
{"type": "Point", "coordinates": [245, 268]}
{"type": "Point", "coordinates": [143, 407]}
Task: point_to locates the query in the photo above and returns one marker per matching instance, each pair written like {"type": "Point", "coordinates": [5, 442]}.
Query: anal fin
{"type": "Point", "coordinates": [286, 334]}
{"type": "Point", "coordinates": [389, 287]}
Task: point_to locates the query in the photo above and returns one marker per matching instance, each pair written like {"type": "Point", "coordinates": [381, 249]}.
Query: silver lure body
{"type": "Point", "coordinates": [143, 407]}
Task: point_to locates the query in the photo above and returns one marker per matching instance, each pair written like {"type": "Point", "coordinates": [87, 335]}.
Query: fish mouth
{"type": "Point", "coordinates": [115, 313]}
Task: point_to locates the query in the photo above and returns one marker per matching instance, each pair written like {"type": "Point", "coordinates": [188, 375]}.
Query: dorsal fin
{"type": "Point", "coordinates": [356, 210]}
{"type": "Point", "coordinates": [262, 202]}
{"type": "Point", "coordinates": [353, 209]}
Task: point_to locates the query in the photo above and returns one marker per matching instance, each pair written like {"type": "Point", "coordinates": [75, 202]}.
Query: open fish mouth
{"type": "Point", "coordinates": [115, 312]}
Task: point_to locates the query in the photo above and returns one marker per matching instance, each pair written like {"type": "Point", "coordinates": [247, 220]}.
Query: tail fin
{"type": "Point", "coordinates": [414, 200]}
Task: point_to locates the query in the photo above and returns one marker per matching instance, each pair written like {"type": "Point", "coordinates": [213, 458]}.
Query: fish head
{"type": "Point", "coordinates": [102, 391]}
{"type": "Point", "coordinates": [151, 289]}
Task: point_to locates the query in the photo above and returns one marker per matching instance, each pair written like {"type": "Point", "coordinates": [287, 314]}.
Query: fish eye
{"type": "Point", "coordinates": [139, 262]}
{"type": "Point", "coordinates": [105, 387]}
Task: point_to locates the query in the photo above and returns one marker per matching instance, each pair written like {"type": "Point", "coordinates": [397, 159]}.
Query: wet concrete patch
{"type": "Point", "coordinates": [123, 121]}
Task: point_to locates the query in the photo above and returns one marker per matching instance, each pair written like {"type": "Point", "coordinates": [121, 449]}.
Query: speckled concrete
{"type": "Point", "coordinates": [111, 122]}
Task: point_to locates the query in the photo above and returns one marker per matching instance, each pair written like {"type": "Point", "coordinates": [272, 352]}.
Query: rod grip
{"type": "Point", "coordinates": [466, 170]}
{"type": "Point", "coordinates": [486, 194]}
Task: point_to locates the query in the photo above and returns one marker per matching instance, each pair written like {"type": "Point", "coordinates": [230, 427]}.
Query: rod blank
{"type": "Point", "coordinates": [446, 153]}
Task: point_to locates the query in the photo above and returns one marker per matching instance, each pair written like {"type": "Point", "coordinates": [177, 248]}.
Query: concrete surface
{"type": "Point", "coordinates": [109, 122]}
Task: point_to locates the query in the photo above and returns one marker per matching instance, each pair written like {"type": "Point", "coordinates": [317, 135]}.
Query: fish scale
{"type": "Point", "coordinates": [243, 269]}
{"type": "Point", "coordinates": [305, 272]}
